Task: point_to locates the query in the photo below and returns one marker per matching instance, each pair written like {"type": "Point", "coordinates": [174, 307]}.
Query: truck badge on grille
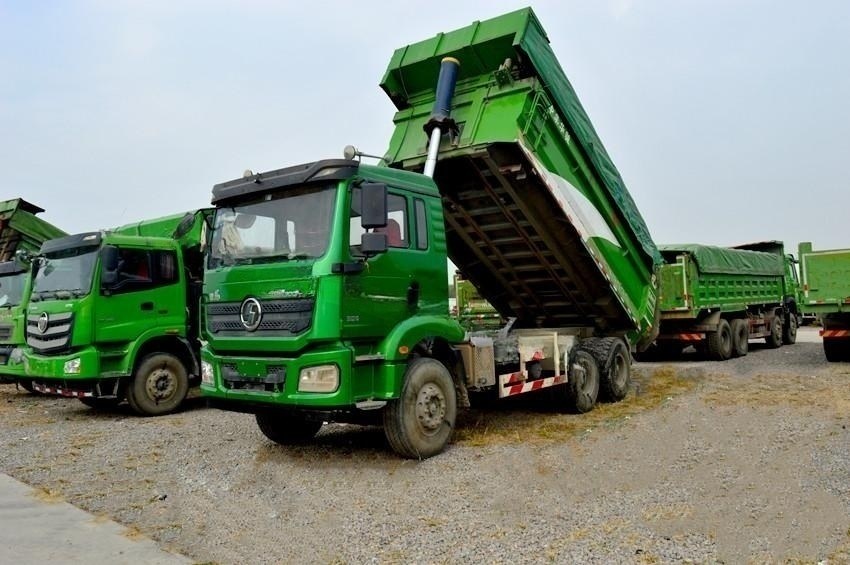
{"type": "Point", "coordinates": [250, 314]}
{"type": "Point", "coordinates": [43, 322]}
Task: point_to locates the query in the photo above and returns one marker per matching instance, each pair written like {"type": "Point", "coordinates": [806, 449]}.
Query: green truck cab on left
{"type": "Point", "coordinates": [112, 315]}
{"type": "Point", "coordinates": [21, 234]}
{"type": "Point", "coordinates": [14, 293]}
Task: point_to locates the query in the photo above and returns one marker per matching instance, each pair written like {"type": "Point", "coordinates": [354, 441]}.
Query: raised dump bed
{"type": "Point", "coordinates": [20, 228]}
{"type": "Point", "coordinates": [537, 215]}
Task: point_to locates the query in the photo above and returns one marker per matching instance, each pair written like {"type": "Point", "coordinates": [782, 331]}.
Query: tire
{"type": "Point", "coordinates": [27, 386]}
{"type": "Point", "coordinates": [789, 330]}
{"type": "Point", "coordinates": [719, 342]}
{"type": "Point", "coordinates": [105, 404]}
{"type": "Point", "coordinates": [774, 340]}
{"type": "Point", "coordinates": [287, 428]}
{"type": "Point", "coordinates": [836, 350]}
{"type": "Point", "coordinates": [159, 386]}
{"type": "Point", "coordinates": [582, 388]}
{"type": "Point", "coordinates": [615, 368]}
{"type": "Point", "coordinates": [740, 337]}
{"type": "Point", "coordinates": [420, 423]}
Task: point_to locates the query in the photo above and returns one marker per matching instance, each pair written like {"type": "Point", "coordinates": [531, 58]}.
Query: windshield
{"type": "Point", "coordinates": [67, 272]}
{"type": "Point", "coordinates": [12, 289]}
{"type": "Point", "coordinates": [292, 224]}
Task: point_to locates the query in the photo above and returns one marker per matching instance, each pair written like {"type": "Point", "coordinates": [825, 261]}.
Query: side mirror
{"type": "Point", "coordinates": [373, 205]}
{"type": "Point", "coordinates": [185, 225]}
{"type": "Point", "coordinates": [109, 265]}
{"type": "Point", "coordinates": [373, 243]}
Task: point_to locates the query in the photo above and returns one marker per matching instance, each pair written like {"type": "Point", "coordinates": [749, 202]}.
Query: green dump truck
{"type": "Point", "coordinates": [113, 314]}
{"type": "Point", "coordinates": [825, 292]}
{"type": "Point", "coordinates": [325, 295]}
{"type": "Point", "coordinates": [21, 234]}
{"type": "Point", "coordinates": [719, 298]}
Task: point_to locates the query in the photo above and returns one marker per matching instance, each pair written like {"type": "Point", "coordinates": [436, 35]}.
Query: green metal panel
{"type": "Point", "coordinates": [21, 229]}
{"type": "Point", "coordinates": [825, 280]}
{"type": "Point", "coordinates": [533, 216]}
{"type": "Point", "coordinates": [725, 260]}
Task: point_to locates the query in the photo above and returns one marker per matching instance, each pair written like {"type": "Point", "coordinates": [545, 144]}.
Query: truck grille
{"type": "Point", "coordinates": [280, 316]}
{"type": "Point", "coordinates": [53, 336]}
{"type": "Point", "coordinates": [5, 332]}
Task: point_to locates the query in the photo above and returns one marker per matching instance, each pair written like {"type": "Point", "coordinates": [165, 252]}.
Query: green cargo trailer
{"type": "Point", "coordinates": [21, 234]}
{"type": "Point", "coordinates": [718, 298]}
{"type": "Point", "coordinates": [825, 292]}
{"type": "Point", "coordinates": [339, 313]}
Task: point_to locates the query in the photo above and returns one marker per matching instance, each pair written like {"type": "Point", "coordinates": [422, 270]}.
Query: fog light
{"type": "Point", "coordinates": [324, 378]}
{"type": "Point", "coordinates": [72, 367]}
{"type": "Point", "coordinates": [207, 373]}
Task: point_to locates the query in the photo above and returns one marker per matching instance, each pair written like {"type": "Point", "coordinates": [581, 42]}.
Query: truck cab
{"type": "Point", "coordinates": [320, 280]}
{"type": "Point", "coordinates": [111, 315]}
{"type": "Point", "coordinates": [14, 294]}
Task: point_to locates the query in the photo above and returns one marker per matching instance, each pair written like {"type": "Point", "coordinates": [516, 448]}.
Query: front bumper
{"type": "Point", "coordinates": [251, 383]}
{"type": "Point", "coordinates": [52, 367]}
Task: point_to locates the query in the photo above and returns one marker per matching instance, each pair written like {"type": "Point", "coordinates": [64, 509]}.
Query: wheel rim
{"type": "Point", "coordinates": [620, 371]}
{"type": "Point", "coordinates": [430, 408]}
{"type": "Point", "coordinates": [161, 384]}
{"type": "Point", "coordinates": [584, 385]}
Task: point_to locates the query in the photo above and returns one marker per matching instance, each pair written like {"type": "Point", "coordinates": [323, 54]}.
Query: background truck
{"type": "Point", "coordinates": [471, 310]}
{"type": "Point", "coordinates": [21, 234]}
{"type": "Point", "coordinates": [825, 292]}
{"type": "Point", "coordinates": [113, 314]}
{"type": "Point", "coordinates": [717, 298]}
{"type": "Point", "coordinates": [329, 302]}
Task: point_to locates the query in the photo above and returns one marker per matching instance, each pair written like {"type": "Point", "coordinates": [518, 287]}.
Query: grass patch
{"type": "Point", "coordinates": [823, 393]}
{"type": "Point", "coordinates": [533, 419]}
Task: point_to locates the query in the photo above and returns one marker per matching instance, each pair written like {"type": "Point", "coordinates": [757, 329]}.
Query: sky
{"type": "Point", "coordinates": [728, 120]}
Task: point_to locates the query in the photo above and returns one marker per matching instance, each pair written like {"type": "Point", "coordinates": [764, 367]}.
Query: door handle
{"type": "Point", "coordinates": [146, 306]}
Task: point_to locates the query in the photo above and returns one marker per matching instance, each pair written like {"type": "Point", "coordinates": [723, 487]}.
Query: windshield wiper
{"type": "Point", "coordinates": [65, 294]}
{"type": "Point", "coordinates": [281, 257]}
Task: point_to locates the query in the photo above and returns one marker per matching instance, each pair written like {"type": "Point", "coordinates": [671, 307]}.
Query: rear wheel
{"type": "Point", "coordinates": [836, 350]}
{"type": "Point", "coordinates": [789, 332]}
{"type": "Point", "coordinates": [287, 428]}
{"type": "Point", "coordinates": [774, 339]}
{"type": "Point", "coordinates": [740, 337]}
{"type": "Point", "coordinates": [582, 389]}
{"type": "Point", "coordinates": [420, 422]}
{"type": "Point", "coordinates": [159, 385]}
{"type": "Point", "coordinates": [615, 366]}
{"type": "Point", "coordinates": [719, 342]}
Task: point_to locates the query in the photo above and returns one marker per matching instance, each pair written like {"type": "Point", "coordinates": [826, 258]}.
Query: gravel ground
{"type": "Point", "coordinates": [704, 462]}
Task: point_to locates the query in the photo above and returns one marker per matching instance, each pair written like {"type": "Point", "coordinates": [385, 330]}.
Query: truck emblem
{"type": "Point", "coordinates": [251, 314]}
{"type": "Point", "coordinates": [43, 322]}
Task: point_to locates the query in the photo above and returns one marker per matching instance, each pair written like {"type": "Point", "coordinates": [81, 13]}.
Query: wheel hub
{"type": "Point", "coordinates": [161, 384]}
{"type": "Point", "coordinates": [430, 407]}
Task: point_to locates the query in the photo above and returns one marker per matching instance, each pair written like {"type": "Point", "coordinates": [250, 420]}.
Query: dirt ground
{"type": "Point", "coordinates": [745, 460]}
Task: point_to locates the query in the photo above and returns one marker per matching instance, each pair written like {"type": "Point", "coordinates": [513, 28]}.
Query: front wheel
{"type": "Point", "coordinates": [789, 332]}
{"type": "Point", "coordinates": [286, 428]}
{"type": "Point", "coordinates": [774, 339]}
{"type": "Point", "coordinates": [420, 422]}
{"type": "Point", "coordinates": [101, 404]}
{"type": "Point", "coordinates": [159, 385]}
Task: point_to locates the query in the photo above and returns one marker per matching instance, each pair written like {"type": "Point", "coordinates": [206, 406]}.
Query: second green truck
{"type": "Point", "coordinates": [113, 314]}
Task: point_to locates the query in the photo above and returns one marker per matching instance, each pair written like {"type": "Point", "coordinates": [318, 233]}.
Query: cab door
{"type": "Point", "coordinates": [146, 294]}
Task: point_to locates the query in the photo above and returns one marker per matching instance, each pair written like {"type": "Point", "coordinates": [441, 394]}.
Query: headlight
{"type": "Point", "coordinates": [72, 367]}
{"type": "Point", "coordinates": [324, 378]}
{"type": "Point", "coordinates": [207, 373]}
